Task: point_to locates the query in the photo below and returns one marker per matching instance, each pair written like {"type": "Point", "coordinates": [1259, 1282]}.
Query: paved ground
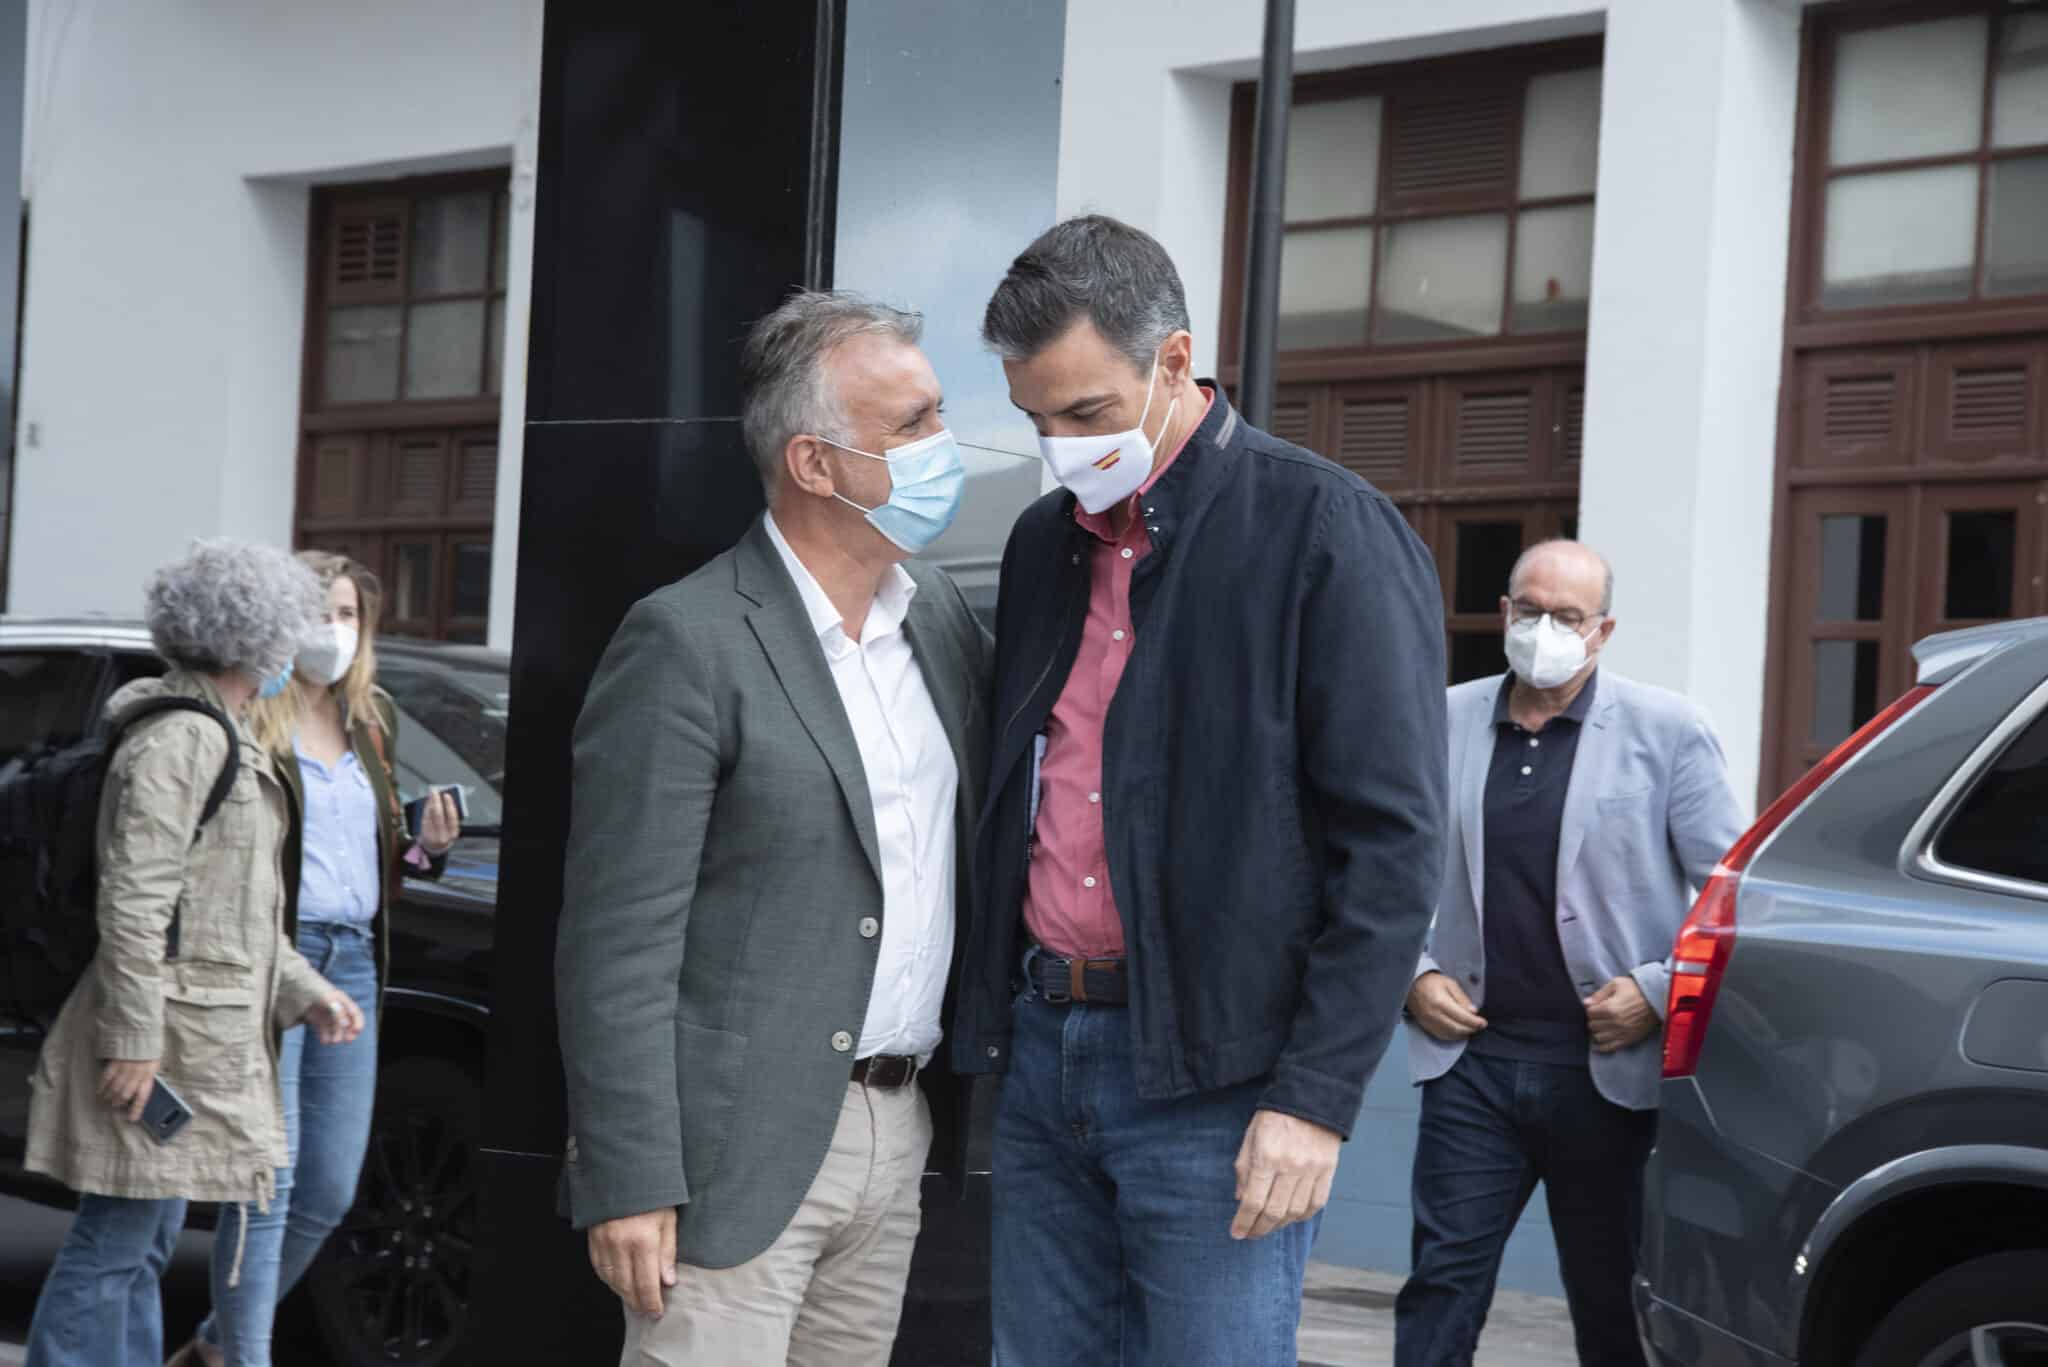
{"type": "Point", "coordinates": [1347, 1317]}
{"type": "Point", "coordinates": [1347, 1320]}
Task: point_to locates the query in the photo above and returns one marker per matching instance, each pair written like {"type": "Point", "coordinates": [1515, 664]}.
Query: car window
{"type": "Point", "coordinates": [46, 697]}
{"type": "Point", "coordinates": [451, 730]}
{"type": "Point", "coordinates": [2002, 827]}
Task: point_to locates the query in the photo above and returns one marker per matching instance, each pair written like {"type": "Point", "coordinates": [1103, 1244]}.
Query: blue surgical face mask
{"type": "Point", "coordinates": [276, 683]}
{"type": "Point", "coordinates": [926, 479]}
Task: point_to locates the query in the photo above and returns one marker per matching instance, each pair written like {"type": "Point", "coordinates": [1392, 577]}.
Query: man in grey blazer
{"type": "Point", "coordinates": [776, 771]}
{"type": "Point", "coordinates": [1585, 808]}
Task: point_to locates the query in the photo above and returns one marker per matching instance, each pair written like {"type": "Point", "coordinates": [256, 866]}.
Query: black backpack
{"type": "Point", "coordinates": [49, 832]}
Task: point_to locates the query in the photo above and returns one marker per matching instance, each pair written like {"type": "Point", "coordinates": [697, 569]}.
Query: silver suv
{"type": "Point", "coordinates": [1852, 1164]}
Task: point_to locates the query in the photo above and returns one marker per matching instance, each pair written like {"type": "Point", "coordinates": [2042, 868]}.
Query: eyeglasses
{"type": "Point", "coordinates": [1571, 619]}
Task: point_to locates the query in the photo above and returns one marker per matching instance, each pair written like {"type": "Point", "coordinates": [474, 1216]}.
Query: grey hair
{"type": "Point", "coordinates": [232, 605]}
{"type": "Point", "coordinates": [785, 391]}
{"type": "Point", "coordinates": [1606, 569]}
{"type": "Point", "coordinates": [1092, 267]}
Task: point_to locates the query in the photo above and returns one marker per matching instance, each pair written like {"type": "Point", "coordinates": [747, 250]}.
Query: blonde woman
{"type": "Point", "coordinates": [199, 1008]}
{"type": "Point", "coordinates": [332, 733]}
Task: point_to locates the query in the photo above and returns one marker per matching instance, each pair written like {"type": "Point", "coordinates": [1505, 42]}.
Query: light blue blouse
{"type": "Point", "coordinates": [339, 880]}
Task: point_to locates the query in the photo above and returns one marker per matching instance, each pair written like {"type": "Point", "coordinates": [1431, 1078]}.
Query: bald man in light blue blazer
{"type": "Point", "coordinates": [1586, 809]}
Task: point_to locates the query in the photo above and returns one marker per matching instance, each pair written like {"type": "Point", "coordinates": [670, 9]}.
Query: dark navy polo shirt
{"type": "Point", "coordinates": [1533, 1009]}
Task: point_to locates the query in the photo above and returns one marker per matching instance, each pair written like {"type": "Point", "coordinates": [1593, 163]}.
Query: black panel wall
{"type": "Point", "coordinates": [685, 185]}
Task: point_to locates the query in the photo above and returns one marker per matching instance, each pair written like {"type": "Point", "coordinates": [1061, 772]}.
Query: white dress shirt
{"type": "Point", "coordinates": [912, 783]}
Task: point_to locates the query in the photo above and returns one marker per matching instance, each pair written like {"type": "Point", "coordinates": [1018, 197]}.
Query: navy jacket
{"type": "Point", "coordinates": [1273, 772]}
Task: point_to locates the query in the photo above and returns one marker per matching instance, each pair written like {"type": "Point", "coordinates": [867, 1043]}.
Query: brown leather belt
{"type": "Point", "coordinates": [1098, 982]}
{"type": "Point", "coordinates": [885, 1071]}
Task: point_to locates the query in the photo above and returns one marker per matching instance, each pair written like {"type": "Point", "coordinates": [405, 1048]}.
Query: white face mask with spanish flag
{"type": "Point", "coordinates": [1102, 471]}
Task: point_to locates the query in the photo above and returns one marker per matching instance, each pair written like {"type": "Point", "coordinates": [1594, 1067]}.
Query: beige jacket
{"type": "Point", "coordinates": [212, 1016]}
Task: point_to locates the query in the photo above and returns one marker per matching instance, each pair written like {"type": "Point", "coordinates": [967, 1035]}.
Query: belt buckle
{"type": "Point", "coordinates": [1034, 957]}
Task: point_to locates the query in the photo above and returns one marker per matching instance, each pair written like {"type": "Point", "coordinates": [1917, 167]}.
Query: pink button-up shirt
{"type": "Point", "coordinates": [1068, 904]}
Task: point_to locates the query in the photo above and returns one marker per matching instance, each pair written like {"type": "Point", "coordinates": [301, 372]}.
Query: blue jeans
{"type": "Point", "coordinates": [1112, 1214]}
{"type": "Point", "coordinates": [328, 1091]}
{"type": "Point", "coordinates": [1492, 1128]}
{"type": "Point", "coordinates": [101, 1305]}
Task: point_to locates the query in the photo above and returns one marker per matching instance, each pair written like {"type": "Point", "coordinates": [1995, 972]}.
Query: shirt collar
{"type": "Point", "coordinates": [885, 614]}
{"type": "Point", "coordinates": [1098, 523]}
{"type": "Point", "coordinates": [1577, 713]}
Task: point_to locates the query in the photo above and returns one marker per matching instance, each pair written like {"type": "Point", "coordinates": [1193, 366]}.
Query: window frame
{"type": "Point", "coordinates": [1810, 324]}
{"type": "Point", "coordinates": [317, 414]}
{"type": "Point", "coordinates": [1920, 857]}
{"type": "Point", "coordinates": [1391, 83]}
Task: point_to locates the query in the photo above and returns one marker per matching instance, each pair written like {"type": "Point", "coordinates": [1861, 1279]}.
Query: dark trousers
{"type": "Point", "coordinates": [1491, 1130]}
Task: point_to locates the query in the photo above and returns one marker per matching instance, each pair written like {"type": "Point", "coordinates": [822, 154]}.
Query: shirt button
{"type": "Point", "coordinates": [1116, 635]}
{"type": "Point", "coordinates": [843, 1042]}
{"type": "Point", "coordinates": [1526, 771]}
{"type": "Point", "coordinates": [869, 927]}
{"type": "Point", "coordinates": [1128, 552]}
{"type": "Point", "coordinates": [1095, 797]}
{"type": "Point", "coordinates": [1533, 742]}
{"type": "Point", "coordinates": [1088, 882]}
{"type": "Point", "coordinates": [994, 1052]}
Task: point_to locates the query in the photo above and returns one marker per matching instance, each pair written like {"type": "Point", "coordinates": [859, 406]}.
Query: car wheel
{"type": "Point", "coordinates": [393, 1284]}
{"type": "Point", "coordinates": [1986, 1313]}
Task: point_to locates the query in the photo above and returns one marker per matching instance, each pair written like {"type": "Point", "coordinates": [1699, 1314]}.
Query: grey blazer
{"type": "Point", "coordinates": [1648, 814]}
{"type": "Point", "coordinates": [709, 968]}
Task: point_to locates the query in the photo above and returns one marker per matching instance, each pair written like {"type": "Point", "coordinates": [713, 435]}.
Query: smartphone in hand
{"type": "Point", "coordinates": [416, 810]}
{"type": "Point", "coordinates": [165, 1113]}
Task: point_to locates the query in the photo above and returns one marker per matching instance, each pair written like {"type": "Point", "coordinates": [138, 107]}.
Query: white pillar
{"type": "Point", "coordinates": [1682, 372]}
{"type": "Point", "coordinates": [518, 313]}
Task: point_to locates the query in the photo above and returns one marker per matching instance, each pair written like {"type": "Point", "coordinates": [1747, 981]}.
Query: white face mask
{"type": "Point", "coordinates": [1102, 471]}
{"type": "Point", "coordinates": [327, 656]}
{"type": "Point", "coordinates": [1544, 654]}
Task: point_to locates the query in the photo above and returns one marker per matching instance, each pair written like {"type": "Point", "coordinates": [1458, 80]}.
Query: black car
{"type": "Point", "coordinates": [394, 1283]}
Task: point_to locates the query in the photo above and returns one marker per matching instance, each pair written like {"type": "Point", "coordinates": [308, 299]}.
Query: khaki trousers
{"type": "Point", "coordinates": [829, 1291]}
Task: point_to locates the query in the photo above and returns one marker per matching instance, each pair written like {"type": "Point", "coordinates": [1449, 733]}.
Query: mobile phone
{"type": "Point", "coordinates": [165, 1113]}
{"type": "Point", "coordinates": [416, 810]}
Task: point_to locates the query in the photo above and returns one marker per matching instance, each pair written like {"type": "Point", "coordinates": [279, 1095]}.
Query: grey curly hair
{"type": "Point", "coordinates": [232, 605]}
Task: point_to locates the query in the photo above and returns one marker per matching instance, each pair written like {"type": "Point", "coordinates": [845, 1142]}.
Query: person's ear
{"type": "Point", "coordinates": [1177, 359]}
{"type": "Point", "coordinates": [808, 464]}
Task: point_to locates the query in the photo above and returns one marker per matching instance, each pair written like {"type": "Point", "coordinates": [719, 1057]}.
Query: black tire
{"type": "Point", "coordinates": [2000, 1300]}
{"type": "Point", "coordinates": [393, 1285]}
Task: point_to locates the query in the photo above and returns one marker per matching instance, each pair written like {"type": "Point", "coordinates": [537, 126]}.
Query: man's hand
{"type": "Point", "coordinates": [335, 1019]}
{"type": "Point", "coordinates": [1619, 1015]}
{"type": "Point", "coordinates": [1284, 1170]}
{"type": "Point", "coordinates": [636, 1257]}
{"type": "Point", "coordinates": [1441, 1007]}
{"type": "Point", "coordinates": [125, 1084]}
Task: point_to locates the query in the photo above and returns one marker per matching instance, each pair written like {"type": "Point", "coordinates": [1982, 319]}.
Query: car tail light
{"type": "Point", "coordinates": [1708, 936]}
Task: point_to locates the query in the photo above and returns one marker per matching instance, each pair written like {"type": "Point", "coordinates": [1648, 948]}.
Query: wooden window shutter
{"type": "Point", "coordinates": [476, 476]}
{"type": "Point", "coordinates": [1492, 433]}
{"type": "Point", "coordinates": [418, 475]}
{"type": "Point", "coordinates": [1571, 426]}
{"type": "Point", "coordinates": [1449, 144]}
{"type": "Point", "coordinates": [1988, 404]}
{"type": "Point", "coordinates": [366, 256]}
{"type": "Point", "coordinates": [337, 475]}
{"type": "Point", "coordinates": [1294, 420]}
{"type": "Point", "coordinates": [1373, 438]}
{"type": "Point", "coordinates": [1858, 412]}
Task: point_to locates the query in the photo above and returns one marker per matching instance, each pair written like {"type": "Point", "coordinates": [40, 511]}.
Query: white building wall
{"type": "Point", "coordinates": [170, 153]}
{"type": "Point", "coordinates": [1691, 238]}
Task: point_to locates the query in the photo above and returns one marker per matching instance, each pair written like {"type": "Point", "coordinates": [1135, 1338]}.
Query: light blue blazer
{"type": "Point", "coordinates": [1647, 816]}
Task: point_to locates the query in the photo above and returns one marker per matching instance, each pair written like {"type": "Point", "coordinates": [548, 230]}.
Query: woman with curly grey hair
{"type": "Point", "coordinates": [194, 978]}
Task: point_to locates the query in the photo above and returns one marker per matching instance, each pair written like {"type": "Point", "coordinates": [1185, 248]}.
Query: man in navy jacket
{"type": "Point", "coordinates": [1213, 837]}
